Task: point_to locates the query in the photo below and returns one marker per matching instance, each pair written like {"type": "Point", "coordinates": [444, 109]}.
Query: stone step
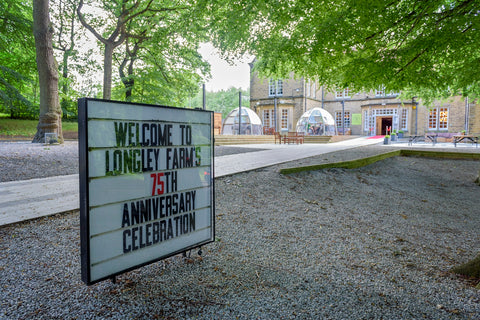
{"type": "Point", "coordinates": [249, 139]}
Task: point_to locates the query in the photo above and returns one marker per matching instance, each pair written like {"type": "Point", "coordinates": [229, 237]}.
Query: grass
{"type": "Point", "coordinates": [10, 128]}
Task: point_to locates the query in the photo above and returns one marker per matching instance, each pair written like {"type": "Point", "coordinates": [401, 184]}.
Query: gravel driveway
{"type": "Point", "coordinates": [376, 242]}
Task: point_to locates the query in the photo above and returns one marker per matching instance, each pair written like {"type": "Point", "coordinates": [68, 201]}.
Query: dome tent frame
{"type": "Point", "coordinates": [316, 122]}
{"type": "Point", "coordinates": [250, 123]}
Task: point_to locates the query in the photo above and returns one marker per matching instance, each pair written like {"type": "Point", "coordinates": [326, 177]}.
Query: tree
{"type": "Point", "coordinates": [17, 59]}
{"type": "Point", "coordinates": [431, 48]}
{"type": "Point", "coordinates": [50, 120]}
{"type": "Point", "coordinates": [128, 19]}
{"type": "Point", "coordinates": [161, 64]}
{"type": "Point", "coordinates": [222, 101]}
{"type": "Point", "coordinates": [64, 18]}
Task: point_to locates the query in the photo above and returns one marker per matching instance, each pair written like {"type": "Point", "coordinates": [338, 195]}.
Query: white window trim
{"type": "Point", "coordinates": [339, 114]}
{"type": "Point", "coordinates": [288, 118]}
{"type": "Point", "coordinates": [343, 94]}
{"type": "Point", "coordinates": [270, 118]}
{"type": "Point", "coordinates": [437, 119]}
{"type": "Point", "coordinates": [406, 119]}
{"type": "Point", "coordinates": [275, 86]}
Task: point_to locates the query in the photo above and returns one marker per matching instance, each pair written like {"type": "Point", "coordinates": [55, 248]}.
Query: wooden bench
{"type": "Point", "coordinates": [278, 138]}
{"type": "Point", "coordinates": [268, 131]}
{"type": "Point", "coordinates": [294, 137]}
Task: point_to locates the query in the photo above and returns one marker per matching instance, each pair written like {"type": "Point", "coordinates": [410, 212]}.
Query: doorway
{"type": "Point", "coordinates": [382, 124]}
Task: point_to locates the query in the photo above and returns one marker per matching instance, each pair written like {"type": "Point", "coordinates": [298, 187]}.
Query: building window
{"type": "Point", "coordinates": [284, 119]}
{"type": "Point", "coordinates": [366, 126]}
{"type": "Point", "coordinates": [403, 120]}
{"type": "Point", "coordinates": [338, 119]}
{"type": "Point", "coordinates": [268, 118]}
{"type": "Point", "coordinates": [275, 88]}
{"type": "Point", "coordinates": [438, 119]}
{"type": "Point", "coordinates": [393, 94]}
{"type": "Point", "coordinates": [443, 119]}
{"type": "Point", "coordinates": [381, 92]}
{"type": "Point", "coordinates": [343, 94]}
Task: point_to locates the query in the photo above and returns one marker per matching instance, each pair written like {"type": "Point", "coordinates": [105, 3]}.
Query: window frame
{"type": "Point", "coordinates": [438, 118]}
{"type": "Point", "coordinates": [346, 119]}
{"type": "Point", "coordinates": [284, 118]}
{"type": "Point", "coordinates": [343, 93]}
{"type": "Point", "coordinates": [275, 88]}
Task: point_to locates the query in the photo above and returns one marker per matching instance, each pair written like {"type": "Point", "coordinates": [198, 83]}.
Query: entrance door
{"type": "Point", "coordinates": [382, 123]}
{"type": "Point", "coordinates": [386, 122]}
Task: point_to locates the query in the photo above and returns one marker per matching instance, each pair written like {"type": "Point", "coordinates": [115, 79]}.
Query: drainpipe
{"type": "Point", "coordinates": [305, 95]}
{"type": "Point", "coordinates": [323, 106]}
{"type": "Point", "coordinates": [414, 105]}
{"type": "Point", "coordinates": [275, 112]}
{"type": "Point", "coordinates": [467, 115]}
{"type": "Point", "coordinates": [240, 112]}
{"type": "Point", "coordinates": [204, 98]}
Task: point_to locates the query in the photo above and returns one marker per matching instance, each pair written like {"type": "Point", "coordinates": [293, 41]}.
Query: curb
{"type": "Point", "coordinates": [357, 163]}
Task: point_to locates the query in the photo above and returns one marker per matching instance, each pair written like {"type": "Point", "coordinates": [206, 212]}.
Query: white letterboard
{"type": "Point", "coordinates": [146, 184]}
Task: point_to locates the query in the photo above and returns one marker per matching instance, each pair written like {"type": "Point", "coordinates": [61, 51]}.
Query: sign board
{"type": "Point", "coordinates": [356, 119]}
{"type": "Point", "coordinates": [146, 184]}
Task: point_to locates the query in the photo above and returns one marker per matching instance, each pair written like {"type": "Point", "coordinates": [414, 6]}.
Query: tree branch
{"type": "Point", "coordinates": [411, 61]}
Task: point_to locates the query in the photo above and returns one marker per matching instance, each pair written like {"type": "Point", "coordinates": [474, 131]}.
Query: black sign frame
{"type": "Point", "coordinates": [85, 224]}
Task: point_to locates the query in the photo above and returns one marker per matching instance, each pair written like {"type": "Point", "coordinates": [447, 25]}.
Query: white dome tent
{"type": "Point", "coordinates": [316, 122]}
{"type": "Point", "coordinates": [251, 123]}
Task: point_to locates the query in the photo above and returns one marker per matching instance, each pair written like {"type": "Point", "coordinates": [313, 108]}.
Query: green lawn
{"type": "Point", "coordinates": [28, 128]}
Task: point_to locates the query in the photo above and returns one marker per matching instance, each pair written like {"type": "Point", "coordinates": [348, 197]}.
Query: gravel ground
{"type": "Point", "coordinates": [24, 160]}
{"type": "Point", "coordinates": [376, 242]}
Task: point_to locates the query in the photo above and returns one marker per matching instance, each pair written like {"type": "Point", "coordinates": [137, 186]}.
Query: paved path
{"type": "Point", "coordinates": [29, 199]}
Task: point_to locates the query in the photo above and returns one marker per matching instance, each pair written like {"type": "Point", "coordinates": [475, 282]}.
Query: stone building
{"type": "Point", "coordinates": [280, 103]}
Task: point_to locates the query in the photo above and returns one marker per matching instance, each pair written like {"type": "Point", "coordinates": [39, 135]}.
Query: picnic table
{"type": "Point", "coordinates": [469, 137]}
{"type": "Point", "coordinates": [413, 139]}
{"type": "Point", "coordinates": [293, 137]}
{"type": "Point", "coordinates": [427, 136]}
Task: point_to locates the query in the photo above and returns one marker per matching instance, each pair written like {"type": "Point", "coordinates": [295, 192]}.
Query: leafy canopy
{"type": "Point", "coordinates": [430, 47]}
{"type": "Point", "coordinates": [17, 57]}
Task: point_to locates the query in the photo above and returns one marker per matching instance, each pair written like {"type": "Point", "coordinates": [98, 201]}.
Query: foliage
{"type": "Point", "coordinates": [159, 36]}
{"type": "Point", "coordinates": [17, 60]}
{"type": "Point", "coordinates": [67, 34]}
{"type": "Point", "coordinates": [425, 48]}
{"type": "Point", "coordinates": [161, 64]}
{"type": "Point", "coordinates": [222, 101]}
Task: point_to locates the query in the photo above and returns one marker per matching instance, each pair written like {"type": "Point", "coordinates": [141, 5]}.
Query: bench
{"type": "Point", "coordinates": [294, 137]}
{"type": "Point", "coordinates": [432, 137]}
{"type": "Point", "coordinates": [414, 139]}
{"type": "Point", "coordinates": [469, 137]}
{"type": "Point", "coordinates": [268, 131]}
{"type": "Point", "coordinates": [278, 138]}
{"type": "Point", "coordinates": [444, 136]}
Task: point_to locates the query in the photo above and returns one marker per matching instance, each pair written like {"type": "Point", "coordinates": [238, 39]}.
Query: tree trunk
{"type": "Point", "coordinates": [127, 80]}
{"type": "Point", "coordinates": [107, 71]}
{"type": "Point", "coordinates": [477, 181]}
{"type": "Point", "coordinates": [50, 120]}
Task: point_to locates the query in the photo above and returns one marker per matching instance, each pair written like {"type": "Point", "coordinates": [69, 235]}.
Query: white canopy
{"type": "Point", "coordinates": [317, 122]}
{"type": "Point", "coordinates": [251, 123]}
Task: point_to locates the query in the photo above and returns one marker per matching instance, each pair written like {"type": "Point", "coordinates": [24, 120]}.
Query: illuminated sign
{"type": "Point", "coordinates": [146, 184]}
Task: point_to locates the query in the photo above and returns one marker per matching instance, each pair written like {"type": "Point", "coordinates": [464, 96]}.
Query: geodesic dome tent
{"type": "Point", "coordinates": [316, 122]}
{"type": "Point", "coordinates": [251, 123]}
